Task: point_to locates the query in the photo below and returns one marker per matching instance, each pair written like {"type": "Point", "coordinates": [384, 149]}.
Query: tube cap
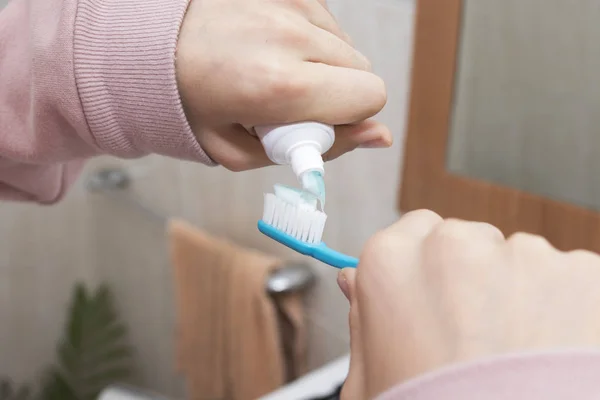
{"type": "Point", "coordinates": [306, 157]}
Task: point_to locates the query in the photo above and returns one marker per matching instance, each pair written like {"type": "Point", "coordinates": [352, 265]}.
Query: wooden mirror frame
{"type": "Point", "coordinates": [426, 183]}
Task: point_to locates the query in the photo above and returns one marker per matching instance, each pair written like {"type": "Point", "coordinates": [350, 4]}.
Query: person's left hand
{"type": "Point", "coordinates": [430, 292]}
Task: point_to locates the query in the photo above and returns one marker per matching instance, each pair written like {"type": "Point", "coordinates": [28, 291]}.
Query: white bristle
{"type": "Point", "coordinates": [303, 222]}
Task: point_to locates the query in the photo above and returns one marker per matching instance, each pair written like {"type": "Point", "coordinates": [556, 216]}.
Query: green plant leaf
{"type": "Point", "coordinates": [94, 351]}
{"type": "Point", "coordinates": [79, 304]}
{"type": "Point", "coordinates": [55, 386]}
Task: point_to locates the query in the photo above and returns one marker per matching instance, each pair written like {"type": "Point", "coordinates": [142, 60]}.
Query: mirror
{"type": "Point", "coordinates": [526, 107]}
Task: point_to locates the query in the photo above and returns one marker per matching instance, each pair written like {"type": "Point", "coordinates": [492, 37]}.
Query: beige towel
{"type": "Point", "coordinates": [235, 342]}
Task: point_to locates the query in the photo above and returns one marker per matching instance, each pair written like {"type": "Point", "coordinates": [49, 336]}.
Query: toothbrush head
{"type": "Point", "coordinates": [300, 220]}
{"type": "Point", "coordinates": [299, 225]}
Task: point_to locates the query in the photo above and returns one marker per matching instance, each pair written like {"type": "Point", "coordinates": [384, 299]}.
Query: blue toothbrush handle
{"type": "Point", "coordinates": [317, 251]}
{"type": "Point", "coordinates": [334, 258]}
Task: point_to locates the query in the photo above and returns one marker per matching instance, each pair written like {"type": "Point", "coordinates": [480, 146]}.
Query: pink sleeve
{"type": "Point", "coordinates": [80, 78]}
{"type": "Point", "coordinates": [550, 376]}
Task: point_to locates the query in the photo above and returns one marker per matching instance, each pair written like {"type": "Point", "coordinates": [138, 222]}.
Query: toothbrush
{"type": "Point", "coordinates": [300, 226]}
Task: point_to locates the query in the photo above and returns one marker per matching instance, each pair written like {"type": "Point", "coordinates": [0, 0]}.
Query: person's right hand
{"type": "Point", "coordinates": [430, 292]}
{"type": "Point", "coordinates": [244, 63]}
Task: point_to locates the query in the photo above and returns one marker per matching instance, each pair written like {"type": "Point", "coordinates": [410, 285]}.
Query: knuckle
{"type": "Point", "coordinates": [277, 82]}
{"type": "Point", "coordinates": [522, 241]}
{"type": "Point", "coordinates": [452, 232]}
{"type": "Point", "coordinates": [423, 214]}
{"type": "Point", "coordinates": [451, 242]}
{"type": "Point", "coordinates": [293, 36]}
{"type": "Point", "coordinates": [286, 26]}
{"type": "Point", "coordinates": [281, 28]}
{"type": "Point", "coordinates": [285, 86]}
{"type": "Point", "coordinates": [301, 5]}
{"type": "Point", "coordinates": [457, 245]}
{"type": "Point", "coordinates": [413, 223]}
{"type": "Point", "coordinates": [582, 257]}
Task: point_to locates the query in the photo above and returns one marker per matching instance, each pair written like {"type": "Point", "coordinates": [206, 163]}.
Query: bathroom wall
{"type": "Point", "coordinates": [91, 237]}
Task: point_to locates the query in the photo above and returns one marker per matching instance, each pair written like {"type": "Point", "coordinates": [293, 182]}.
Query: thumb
{"type": "Point", "coordinates": [354, 387]}
{"type": "Point", "coordinates": [345, 281]}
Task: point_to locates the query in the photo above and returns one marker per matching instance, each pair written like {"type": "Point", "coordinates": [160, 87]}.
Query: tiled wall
{"type": "Point", "coordinates": [97, 238]}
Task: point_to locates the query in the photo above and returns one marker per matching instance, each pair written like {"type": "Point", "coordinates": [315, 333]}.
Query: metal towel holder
{"type": "Point", "coordinates": [290, 278]}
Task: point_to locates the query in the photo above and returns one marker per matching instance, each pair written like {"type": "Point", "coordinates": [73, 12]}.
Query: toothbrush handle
{"type": "Point", "coordinates": [317, 251]}
{"type": "Point", "coordinates": [333, 258]}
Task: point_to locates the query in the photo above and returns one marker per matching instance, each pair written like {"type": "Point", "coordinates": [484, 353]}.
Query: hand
{"type": "Point", "coordinates": [243, 63]}
{"type": "Point", "coordinates": [430, 292]}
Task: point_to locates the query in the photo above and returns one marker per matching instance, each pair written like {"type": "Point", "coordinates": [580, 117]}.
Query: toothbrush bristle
{"type": "Point", "coordinates": [302, 222]}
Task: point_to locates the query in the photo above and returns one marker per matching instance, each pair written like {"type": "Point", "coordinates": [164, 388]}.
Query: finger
{"type": "Point", "coordinates": [354, 386]}
{"type": "Point", "coordinates": [366, 134]}
{"type": "Point", "coordinates": [416, 224]}
{"type": "Point", "coordinates": [234, 148]}
{"type": "Point", "coordinates": [319, 15]}
{"type": "Point", "coordinates": [325, 47]}
{"type": "Point", "coordinates": [335, 95]}
{"type": "Point", "coordinates": [344, 285]}
{"type": "Point", "coordinates": [308, 91]}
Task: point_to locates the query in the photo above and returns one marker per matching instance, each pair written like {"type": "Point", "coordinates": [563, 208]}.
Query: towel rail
{"type": "Point", "coordinates": [114, 181]}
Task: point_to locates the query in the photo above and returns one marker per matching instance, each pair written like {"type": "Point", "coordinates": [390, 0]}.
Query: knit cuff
{"type": "Point", "coordinates": [124, 61]}
{"type": "Point", "coordinates": [533, 376]}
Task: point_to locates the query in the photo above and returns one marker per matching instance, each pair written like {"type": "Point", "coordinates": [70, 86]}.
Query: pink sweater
{"type": "Point", "coordinates": [87, 77]}
{"type": "Point", "coordinates": [80, 78]}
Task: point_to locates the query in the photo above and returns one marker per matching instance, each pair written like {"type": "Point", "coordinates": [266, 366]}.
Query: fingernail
{"type": "Point", "coordinates": [375, 144]}
{"type": "Point", "coordinates": [343, 284]}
